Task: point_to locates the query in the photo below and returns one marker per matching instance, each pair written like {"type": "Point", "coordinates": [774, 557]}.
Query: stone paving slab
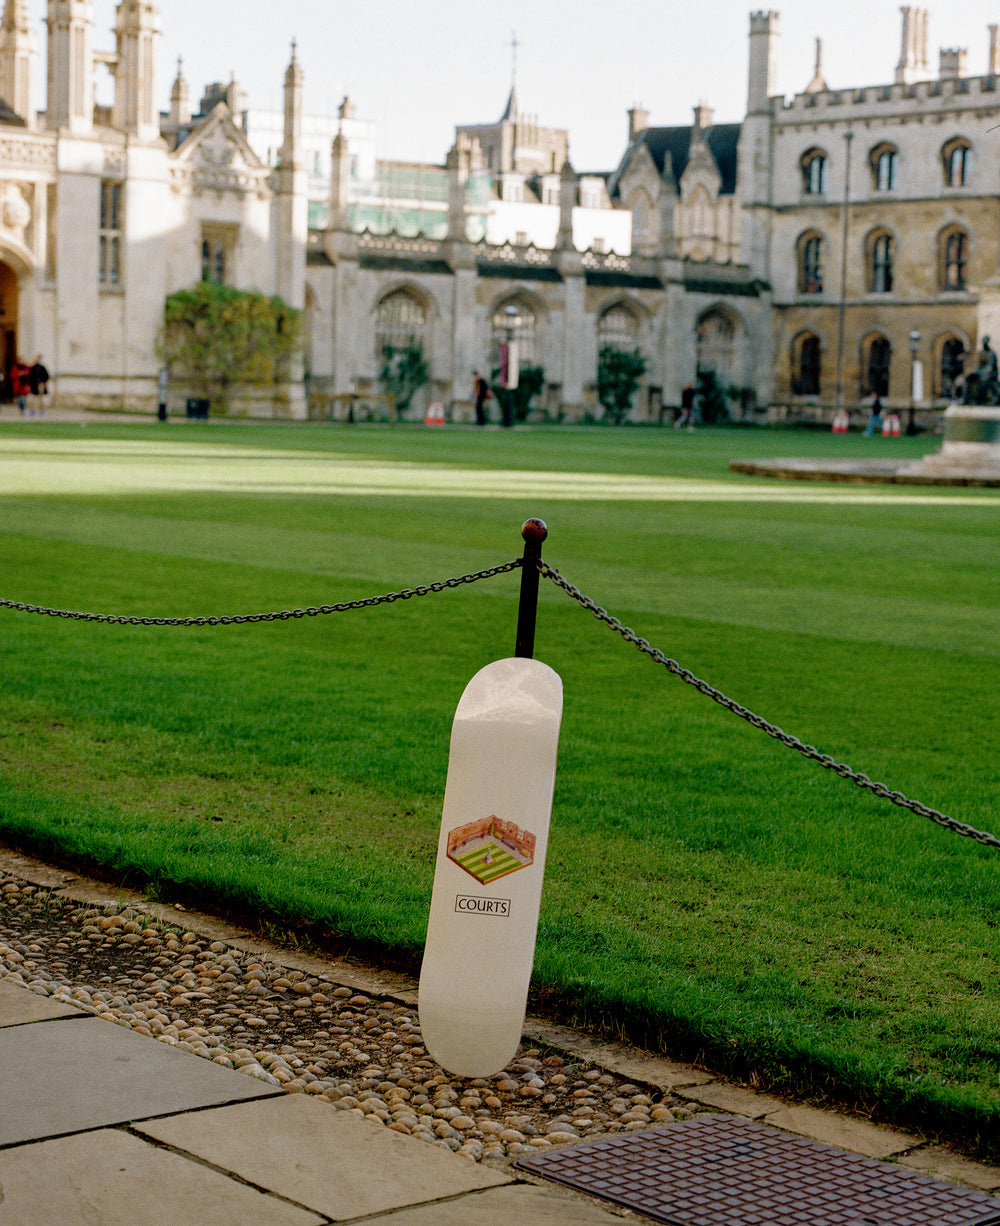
{"type": "Point", "coordinates": [109, 1178]}
{"type": "Point", "coordinates": [83, 1073]}
{"type": "Point", "coordinates": [732, 1099]}
{"type": "Point", "coordinates": [941, 1163]}
{"type": "Point", "coordinates": [522, 1205]}
{"type": "Point", "coordinates": [327, 1160]}
{"type": "Point", "coordinates": [19, 1006]}
{"type": "Point", "coordinates": [872, 1140]}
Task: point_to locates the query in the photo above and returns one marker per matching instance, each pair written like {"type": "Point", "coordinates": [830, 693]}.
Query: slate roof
{"type": "Point", "coordinates": [671, 147]}
{"type": "Point", "coordinates": [10, 117]}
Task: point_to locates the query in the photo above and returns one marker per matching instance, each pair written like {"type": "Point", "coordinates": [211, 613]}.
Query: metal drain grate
{"type": "Point", "coordinates": [722, 1171]}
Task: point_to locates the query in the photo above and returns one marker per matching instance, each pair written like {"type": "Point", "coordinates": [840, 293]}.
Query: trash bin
{"type": "Point", "coordinates": [197, 407]}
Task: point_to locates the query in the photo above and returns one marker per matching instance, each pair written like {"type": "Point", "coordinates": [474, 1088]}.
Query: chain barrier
{"type": "Point", "coordinates": [367, 602]}
{"type": "Point", "coordinates": [793, 742]}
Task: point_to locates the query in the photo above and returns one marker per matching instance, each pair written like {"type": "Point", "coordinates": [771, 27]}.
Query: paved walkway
{"type": "Point", "coordinates": [104, 1127]}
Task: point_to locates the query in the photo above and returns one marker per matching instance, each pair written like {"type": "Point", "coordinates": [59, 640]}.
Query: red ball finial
{"type": "Point", "coordinates": [534, 530]}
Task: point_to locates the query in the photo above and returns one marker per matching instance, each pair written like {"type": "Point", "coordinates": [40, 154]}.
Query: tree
{"type": "Point", "coordinates": [404, 372]}
{"type": "Point", "coordinates": [618, 375]}
{"type": "Point", "coordinates": [215, 337]}
{"type": "Point", "coordinates": [530, 381]}
{"type": "Point", "coordinates": [711, 398]}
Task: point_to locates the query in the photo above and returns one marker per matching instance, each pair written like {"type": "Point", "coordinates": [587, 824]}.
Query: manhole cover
{"type": "Point", "coordinates": [721, 1171]}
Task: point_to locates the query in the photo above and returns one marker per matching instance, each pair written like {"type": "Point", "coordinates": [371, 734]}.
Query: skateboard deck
{"type": "Point", "coordinates": [490, 865]}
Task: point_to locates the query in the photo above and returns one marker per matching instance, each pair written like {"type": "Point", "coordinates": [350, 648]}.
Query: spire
{"type": "Point", "coordinates": [510, 111]}
{"type": "Point", "coordinates": [291, 148]}
{"type": "Point", "coordinates": [818, 84]}
{"type": "Point", "coordinates": [180, 98]}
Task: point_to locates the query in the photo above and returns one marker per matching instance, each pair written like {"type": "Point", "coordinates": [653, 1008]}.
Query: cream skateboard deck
{"type": "Point", "coordinates": [490, 864]}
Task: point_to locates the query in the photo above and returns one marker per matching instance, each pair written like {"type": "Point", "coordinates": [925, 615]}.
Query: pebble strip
{"type": "Point", "coordinates": [306, 1034]}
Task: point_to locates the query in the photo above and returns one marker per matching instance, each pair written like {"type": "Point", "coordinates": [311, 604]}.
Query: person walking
{"type": "Point", "coordinates": [687, 408]}
{"type": "Point", "coordinates": [481, 393]}
{"type": "Point", "coordinates": [38, 378]}
{"type": "Point", "coordinates": [20, 383]}
{"type": "Point", "coordinates": [875, 420]}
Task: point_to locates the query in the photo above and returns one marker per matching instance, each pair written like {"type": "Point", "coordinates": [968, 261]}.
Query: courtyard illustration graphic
{"type": "Point", "coordinates": [491, 848]}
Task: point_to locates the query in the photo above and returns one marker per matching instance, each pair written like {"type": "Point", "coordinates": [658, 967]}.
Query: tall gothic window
{"type": "Point", "coordinates": [110, 236]}
{"type": "Point", "coordinates": [716, 345]}
{"type": "Point", "coordinates": [218, 244]}
{"type": "Point", "coordinates": [952, 366]}
{"type": "Point", "coordinates": [878, 359]}
{"type": "Point", "coordinates": [957, 157]}
{"type": "Point", "coordinates": [811, 264]}
{"type": "Point", "coordinates": [400, 320]}
{"type": "Point", "coordinates": [806, 365]}
{"type": "Point", "coordinates": [618, 327]}
{"type": "Point", "coordinates": [955, 258]}
{"type": "Point", "coordinates": [524, 331]}
{"type": "Point", "coordinates": [885, 163]}
{"type": "Point", "coordinates": [882, 263]}
{"type": "Point", "coordinates": [814, 173]}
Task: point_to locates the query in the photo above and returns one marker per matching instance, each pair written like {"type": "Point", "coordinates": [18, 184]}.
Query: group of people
{"type": "Point", "coordinates": [28, 381]}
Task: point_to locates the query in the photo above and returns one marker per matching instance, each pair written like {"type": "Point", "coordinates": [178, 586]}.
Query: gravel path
{"type": "Point", "coordinates": [304, 1033]}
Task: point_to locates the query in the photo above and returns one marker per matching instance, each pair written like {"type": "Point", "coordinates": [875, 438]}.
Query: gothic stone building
{"type": "Point", "coordinates": [105, 210]}
{"type": "Point", "coordinates": [805, 255]}
{"type": "Point", "coordinates": [874, 215]}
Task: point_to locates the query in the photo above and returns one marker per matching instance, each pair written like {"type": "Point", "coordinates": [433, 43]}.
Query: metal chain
{"type": "Point", "coordinates": [807, 751]}
{"type": "Point", "coordinates": [287, 614]}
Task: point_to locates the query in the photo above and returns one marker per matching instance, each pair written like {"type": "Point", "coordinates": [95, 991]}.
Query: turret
{"type": "Point", "coordinates": [763, 61]}
{"type": "Point", "coordinates": [137, 31]}
{"type": "Point", "coordinates": [70, 65]}
{"type": "Point", "coordinates": [567, 202]}
{"type": "Point", "coordinates": [913, 62]}
{"type": "Point", "coordinates": [17, 60]}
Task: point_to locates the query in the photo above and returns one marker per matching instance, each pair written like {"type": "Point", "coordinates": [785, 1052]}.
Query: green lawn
{"type": "Point", "coordinates": [709, 892]}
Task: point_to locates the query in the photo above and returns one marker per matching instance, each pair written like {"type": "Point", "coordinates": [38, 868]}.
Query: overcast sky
{"type": "Point", "coordinates": [420, 69]}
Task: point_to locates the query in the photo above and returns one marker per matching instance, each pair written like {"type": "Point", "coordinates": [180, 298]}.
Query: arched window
{"type": "Point", "coordinates": [881, 263]}
{"type": "Point", "coordinates": [524, 331]}
{"type": "Point", "coordinates": [957, 159]}
{"type": "Point", "coordinates": [952, 367]}
{"type": "Point", "coordinates": [954, 259]}
{"type": "Point", "coordinates": [701, 213]}
{"type": "Point", "coordinates": [875, 368]}
{"type": "Point", "coordinates": [814, 172]}
{"type": "Point", "coordinates": [810, 264]}
{"type": "Point", "coordinates": [716, 340]}
{"type": "Point", "coordinates": [400, 321]}
{"type": "Point", "coordinates": [885, 163]}
{"type": "Point", "coordinates": [642, 215]}
{"type": "Point", "coordinates": [618, 327]}
{"type": "Point", "coordinates": [806, 362]}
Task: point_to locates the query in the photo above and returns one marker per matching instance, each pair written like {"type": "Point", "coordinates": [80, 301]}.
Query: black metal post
{"type": "Point", "coordinates": [534, 532]}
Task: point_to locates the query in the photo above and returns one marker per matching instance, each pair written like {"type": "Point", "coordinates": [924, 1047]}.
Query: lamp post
{"type": "Point", "coordinates": [916, 380]}
{"type": "Point", "coordinates": [509, 363]}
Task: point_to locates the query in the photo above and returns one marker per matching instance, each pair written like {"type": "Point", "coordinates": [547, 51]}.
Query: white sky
{"type": "Point", "coordinates": [418, 69]}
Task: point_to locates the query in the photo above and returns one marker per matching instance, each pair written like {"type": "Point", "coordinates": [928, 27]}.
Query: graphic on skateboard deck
{"type": "Point", "coordinates": [490, 865]}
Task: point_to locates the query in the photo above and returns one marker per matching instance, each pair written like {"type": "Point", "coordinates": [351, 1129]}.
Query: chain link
{"type": "Point", "coordinates": [286, 615]}
{"type": "Point", "coordinates": [793, 742]}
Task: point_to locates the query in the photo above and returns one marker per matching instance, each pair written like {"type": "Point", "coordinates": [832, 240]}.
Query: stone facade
{"type": "Point", "coordinates": [808, 255]}
{"type": "Point", "coordinates": [104, 211]}
{"type": "Point", "coordinates": [878, 228]}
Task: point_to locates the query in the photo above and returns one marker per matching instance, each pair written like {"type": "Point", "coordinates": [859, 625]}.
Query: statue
{"type": "Point", "coordinates": [983, 386]}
